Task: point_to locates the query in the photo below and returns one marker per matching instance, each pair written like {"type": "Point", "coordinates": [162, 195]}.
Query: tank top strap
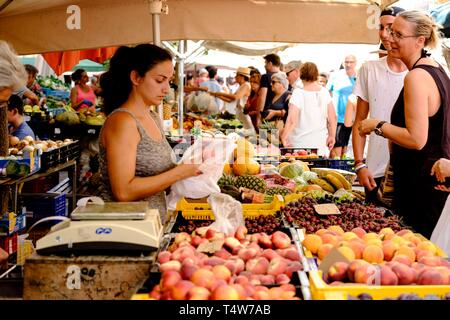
{"type": "Point", "coordinates": [156, 118]}
{"type": "Point", "coordinates": [138, 124]}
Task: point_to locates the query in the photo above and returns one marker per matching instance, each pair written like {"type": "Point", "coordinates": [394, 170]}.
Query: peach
{"type": "Point", "coordinates": [196, 240]}
{"type": "Point", "coordinates": [200, 231]}
{"type": "Point", "coordinates": [261, 295]}
{"type": "Point", "coordinates": [182, 253]}
{"type": "Point", "coordinates": [355, 264]}
{"type": "Point", "coordinates": [430, 261]}
{"type": "Point", "coordinates": [321, 231]}
{"type": "Point", "coordinates": [225, 292]}
{"type": "Point", "coordinates": [247, 253]}
{"type": "Point", "coordinates": [169, 279]}
{"type": "Point", "coordinates": [214, 261]}
{"type": "Point", "coordinates": [221, 272]}
{"type": "Point", "coordinates": [405, 274]}
{"type": "Point", "coordinates": [347, 252]}
{"type": "Point", "coordinates": [257, 266]}
{"type": "Point", "coordinates": [265, 241]}
{"type": "Point", "coordinates": [242, 280]}
{"type": "Point", "coordinates": [373, 254]}
{"type": "Point", "coordinates": [402, 259]}
{"type": "Point", "coordinates": [240, 289]}
{"type": "Point", "coordinates": [388, 277]}
{"type": "Point", "coordinates": [255, 279]}
{"type": "Point", "coordinates": [329, 238]}
{"type": "Point", "coordinates": [337, 229]}
{"type": "Point", "coordinates": [269, 254]}
{"type": "Point", "coordinates": [282, 279]}
{"type": "Point", "coordinates": [280, 240]}
{"type": "Point", "coordinates": [445, 273]}
{"type": "Point", "coordinates": [422, 253]}
{"type": "Point", "coordinates": [164, 256]}
{"type": "Point", "coordinates": [349, 236]}
{"type": "Point", "coordinates": [288, 287]}
{"type": "Point", "coordinates": [407, 251]}
{"type": "Point", "coordinates": [376, 242]}
{"type": "Point", "coordinates": [338, 271]}
{"type": "Point", "coordinates": [277, 266]}
{"type": "Point", "coordinates": [173, 265]}
{"type": "Point", "coordinates": [370, 236]}
{"type": "Point", "coordinates": [222, 253]}
{"type": "Point", "coordinates": [386, 231]}
{"type": "Point", "coordinates": [357, 248]}
{"type": "Point", "coordinates": [210, 233]}
{"type": "Point", "coordinates": [367, 274]}
{"type": "Point", "coordinates": [240, 233]}
{"type": "Point", "coordinates": [182, 236]}
{"type": "Point", "coordinates": [203, 278]}
{"type": "Point", "coordinates": [232, 244]}
{"type": "Point", "coordinates": [389, 248]}
{"type": "Point", "coordinates": [180, 290]}
{"type": "Point", "coordinates": [312, 242]}
{"type": "Point", "coordinates": [235, 264]}
{"type": "Point", "coordinates": [267, 280]}
{"type": "Point", "coordinates": [291, 254]}
{"type": "Point", "coordinates": [292, 267]}
{"type": "Point", "coordinates": [428, 246]}
{"type": "Point", "coordinates": [360, 232]}
{"type": "Point", "coordinates": [324, 249]}
{"type": "Point", "coordinates": [186, 271]}
{"type": "Point", "coordinates": [275, 293]}
{"type": "Point", "coordinates": [403, 232]}
{"type": "Point", "coordinates": [155, 294]}
{"type": "Point", "coordinates": [198, 293]}
{"type": "Point", "coordinates": [430, 277]}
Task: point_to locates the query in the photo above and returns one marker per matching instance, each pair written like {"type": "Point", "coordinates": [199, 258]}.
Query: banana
{"type": "Point", "coordinates": [323, 184]}
{"type": "Point", "coordinates": [334, 182]}
{"type": "Point", "coordinates": [358, 195]}
{"type": "Point", "coordinates": [344, 182]}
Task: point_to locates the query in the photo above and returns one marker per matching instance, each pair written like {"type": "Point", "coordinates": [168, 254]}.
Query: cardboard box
{"type": "Point", "coordinates": [84, 277]}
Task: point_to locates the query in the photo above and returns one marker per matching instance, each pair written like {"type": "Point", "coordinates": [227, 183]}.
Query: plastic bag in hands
{"type": "Point", "coordinates": [441, 235]}
{"type": "Point", "coordinates": [227, 213]}
{"type": "Point", "coordinates": [211, 154]}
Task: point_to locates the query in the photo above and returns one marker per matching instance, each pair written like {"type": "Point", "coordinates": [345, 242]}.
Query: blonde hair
{"type": "Point", "coordinates": [12, 73]}
{"type": "Point", "coordinates": [424, 26]}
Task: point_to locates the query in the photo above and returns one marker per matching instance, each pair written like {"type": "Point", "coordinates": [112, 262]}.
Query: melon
{"type": "Point", "coordinates": [244, 148]}
{"type": "Point", "coordinates": [292, 170]}
{"type": "Point", "coordinates": [245, 166]}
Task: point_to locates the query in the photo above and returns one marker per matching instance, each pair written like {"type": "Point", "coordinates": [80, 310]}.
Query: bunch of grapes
{"type": "Point", "coordinates": [354, 214]}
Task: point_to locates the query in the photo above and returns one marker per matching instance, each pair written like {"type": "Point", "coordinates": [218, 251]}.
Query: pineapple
{"type": "Point", "coordinates": [278, 190]}
{"type": "Point", "coordinates": [251, 182]}
{"type": "Point", "coordinates": [226, 180]}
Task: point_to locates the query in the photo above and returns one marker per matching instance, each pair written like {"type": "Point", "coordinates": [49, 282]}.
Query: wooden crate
{"type": "Point", "coordinates": [84, 277]}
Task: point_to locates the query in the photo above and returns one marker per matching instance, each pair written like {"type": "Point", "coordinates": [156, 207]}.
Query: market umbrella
{"type": "Point", "coordinates": [65, 61]}
{"type": "Point", "coordinates": [37, 26]}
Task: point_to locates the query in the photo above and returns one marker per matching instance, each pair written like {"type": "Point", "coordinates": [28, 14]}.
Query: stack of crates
{"type": "Point", "coordinates": [10, 226]}
{"type": "Point", "coordinates": [42, 205]}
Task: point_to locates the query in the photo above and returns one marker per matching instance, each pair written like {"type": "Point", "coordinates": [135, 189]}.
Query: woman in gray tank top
{"type": "Point", "coordinates": [136, 161]}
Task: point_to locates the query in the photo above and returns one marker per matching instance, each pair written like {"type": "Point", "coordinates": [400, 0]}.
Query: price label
{"type": "Point", "coordinates": [326, 209]}
{"type": "Point", "coordinates": [91, 131]}
{"type": "Point", "coordinates": [57, 130]}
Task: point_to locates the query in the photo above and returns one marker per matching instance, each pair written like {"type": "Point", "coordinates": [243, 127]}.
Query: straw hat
{"type": "Point", "coordinates": [243, 71]}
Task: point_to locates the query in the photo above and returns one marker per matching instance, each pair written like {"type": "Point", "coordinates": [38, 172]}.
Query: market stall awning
{"type": "Point", "coordinates": [37, 26]}
{"type": "Point", "coordinates": [65, 61]}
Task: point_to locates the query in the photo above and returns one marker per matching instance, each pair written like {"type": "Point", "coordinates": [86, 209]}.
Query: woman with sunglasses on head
{"type": "Point", "coordinates": [420, 124]}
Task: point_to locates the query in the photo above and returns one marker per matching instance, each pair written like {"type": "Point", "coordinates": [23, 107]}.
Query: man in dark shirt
{"type": "Point", "coordinates": [272, 65]}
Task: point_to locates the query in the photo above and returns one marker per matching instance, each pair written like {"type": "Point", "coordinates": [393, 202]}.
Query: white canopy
{"type": "Point", "coordinates": [37, 26]}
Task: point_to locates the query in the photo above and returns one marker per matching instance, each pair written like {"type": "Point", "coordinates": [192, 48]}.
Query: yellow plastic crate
{"type": "Point", "coordinates": [322, 291]}
{"type": "Point", "coordinates": [195, 210]}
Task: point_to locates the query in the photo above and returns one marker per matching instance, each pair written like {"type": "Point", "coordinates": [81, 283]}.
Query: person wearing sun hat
{"type": "Point", "coordinates": [377, 87]}
{"type": "Point", "coordinates": [292, 70]}
{"type": "Point", "coordinates": [241, 96]}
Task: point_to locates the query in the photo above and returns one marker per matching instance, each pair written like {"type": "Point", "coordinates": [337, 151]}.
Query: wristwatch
{"type": "Point", "coordinates": [378, 130]}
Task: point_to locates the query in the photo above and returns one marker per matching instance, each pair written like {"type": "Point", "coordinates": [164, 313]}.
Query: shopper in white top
{"type": "Point", "coordinates": [311, 121]}
{"type": "Point", "coordinates": [378, 86]}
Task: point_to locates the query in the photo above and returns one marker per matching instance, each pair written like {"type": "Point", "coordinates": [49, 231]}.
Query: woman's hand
{"type": "Point", "coordinates": [442, 188]}
{"type": "Point", "coordinates": [441, 169]}
{"type": "Point", "coordinates": [367, 126]}
{"type": "Point", "coordinates": [189, 170]}
{"type": "Point", "coordinates": [271, 113]}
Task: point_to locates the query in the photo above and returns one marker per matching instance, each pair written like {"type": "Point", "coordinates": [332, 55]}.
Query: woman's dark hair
{"type": "Point", "coordinates": [31, 69]}
{"type": "Point", "coordinates": [76, 75]}
{"type": "Point", "coordinates": [116, 83]}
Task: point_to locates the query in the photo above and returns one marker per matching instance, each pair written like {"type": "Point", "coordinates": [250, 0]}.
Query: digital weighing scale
{"type": "Point", "coordinates": [115, 228]}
